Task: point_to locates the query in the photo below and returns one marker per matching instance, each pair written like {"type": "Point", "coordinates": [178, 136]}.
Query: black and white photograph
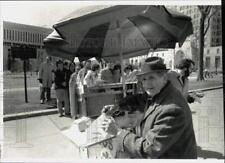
{"type": "Point", "coordinates": [100, 80]}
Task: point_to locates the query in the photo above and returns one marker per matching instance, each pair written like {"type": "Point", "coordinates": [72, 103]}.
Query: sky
{"type": "Point", "coordinates": [47, 13]}
{"type": "Point", "coordinates": [39, 13]}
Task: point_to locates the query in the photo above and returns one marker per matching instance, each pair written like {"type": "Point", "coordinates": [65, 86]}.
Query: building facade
{"type": "Point", "coordinates": [213, 36]}
{"type": "Point", "coordinates": [213, 59]}
{"type": "Point", "coordinates": [25, 36]}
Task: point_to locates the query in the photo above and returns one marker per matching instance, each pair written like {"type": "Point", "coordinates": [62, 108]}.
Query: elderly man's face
{"type": "Point", "coordinates": [153, 83]}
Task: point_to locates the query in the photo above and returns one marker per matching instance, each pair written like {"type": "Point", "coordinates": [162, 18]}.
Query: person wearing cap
{"type": "Point", "coordinates": [166, 129]}
{"type": "Point", "coordinates": [45, 77]}
{"type": "Point", "coordinates": [92, 79]}
{"type": "Point", "coordinates": [180, 79]}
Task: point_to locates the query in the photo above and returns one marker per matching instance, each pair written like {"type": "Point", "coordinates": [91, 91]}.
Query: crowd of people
{"type": "Point", "coordinates": [66, 76]}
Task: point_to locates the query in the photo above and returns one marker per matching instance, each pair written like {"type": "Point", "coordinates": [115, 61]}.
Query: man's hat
{"type": "Point", "coordinates": [152, 64]}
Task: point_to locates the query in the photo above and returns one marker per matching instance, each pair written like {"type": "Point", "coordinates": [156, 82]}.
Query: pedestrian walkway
{"type": "Point", "coordinates": [208, 118]}
{"type": "Point", "coordinates": [38, 138]}
{"type": "Point", "coordinates": [20, 89]}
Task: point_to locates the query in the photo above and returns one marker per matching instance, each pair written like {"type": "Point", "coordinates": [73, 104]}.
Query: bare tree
{"type": "Point", "coordinates": [206, 12]}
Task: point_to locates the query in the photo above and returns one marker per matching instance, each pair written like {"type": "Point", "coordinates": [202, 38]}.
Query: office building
{"type": "Point", "coordinates": [23, 36]}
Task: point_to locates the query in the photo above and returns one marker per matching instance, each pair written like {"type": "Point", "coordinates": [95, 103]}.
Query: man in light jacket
{"type": "Point", "coordinates": [45, 77]}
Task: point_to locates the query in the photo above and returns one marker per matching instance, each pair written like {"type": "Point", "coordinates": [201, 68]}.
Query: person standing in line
{"type": "Point", "coordinates": [92, 77]}
{"type": "Point", "coordinates": [127, 71]}
{"type": "Point", "coordinates": [117, 73]}
{"type": "Point", "coordinates": [106, 74]}
{"type": "Point", "coordinates": [83, 72]}
{"type": "Point", "coordinates": [69, 69]}
{"type": "Point", "coordinates": [181, 82]}
{"type": "Point", "coordinates": [166, 128]}
{"type": "Point", "coordinates": [80, 84]}
{"type": "Point", "coordinates": [45, 77]}
{"type": "Point", "coordinates": [73, 94]}
{"type": "Point", "coordinates": [60, 87]}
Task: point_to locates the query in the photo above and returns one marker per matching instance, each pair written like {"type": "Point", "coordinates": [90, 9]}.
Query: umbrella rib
{"type": "Point", "coordinates": [150, 20]}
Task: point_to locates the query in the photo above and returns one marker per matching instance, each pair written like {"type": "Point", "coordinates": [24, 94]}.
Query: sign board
{"type": "Point", "coordinates": [23, 52]}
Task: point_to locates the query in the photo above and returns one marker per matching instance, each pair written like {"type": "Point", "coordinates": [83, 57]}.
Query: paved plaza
{"type": "Point", "coordinates": [208, 120]}
{"type": "Point", "coordinates": [41, 137]}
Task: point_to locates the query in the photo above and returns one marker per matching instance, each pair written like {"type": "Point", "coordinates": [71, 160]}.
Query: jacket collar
{"type": "Point", "coordinates": [157, 100]}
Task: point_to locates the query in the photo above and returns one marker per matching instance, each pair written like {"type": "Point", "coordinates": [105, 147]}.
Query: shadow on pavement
{"type": "Point", "coordinates": [209, 154]}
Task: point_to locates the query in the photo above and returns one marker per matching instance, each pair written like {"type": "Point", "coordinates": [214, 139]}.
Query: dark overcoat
{"type": "Point", "coordinates": [166, 130]}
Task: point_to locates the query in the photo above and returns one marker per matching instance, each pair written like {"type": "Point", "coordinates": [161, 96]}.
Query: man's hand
{"type": "Point", "coordinates": [109, 109]}
{"type": "Point", "coordinates": [109, 125]}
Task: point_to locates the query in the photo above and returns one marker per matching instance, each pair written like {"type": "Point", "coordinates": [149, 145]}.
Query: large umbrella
{"type": "Point", "coordinates": [122, 31]}
{"type": "Point", "coordinates": [134, 29]}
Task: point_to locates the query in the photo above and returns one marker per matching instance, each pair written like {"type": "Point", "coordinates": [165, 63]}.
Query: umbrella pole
{"type": "Point", "coordinates": [121, 57]}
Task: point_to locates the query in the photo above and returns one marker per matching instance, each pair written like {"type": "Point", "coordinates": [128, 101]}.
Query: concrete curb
{"type": "Point", "coordinates": [29, 114]}
{"type": "Point", "coordinates": [207, 89]}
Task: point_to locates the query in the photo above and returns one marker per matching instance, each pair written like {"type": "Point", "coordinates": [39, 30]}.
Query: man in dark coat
{"type": "Point", "coordinates": [166, 129]}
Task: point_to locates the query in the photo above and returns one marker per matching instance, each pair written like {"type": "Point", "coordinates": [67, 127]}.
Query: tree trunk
{"type": "Point", "coordinates": [201, 50]}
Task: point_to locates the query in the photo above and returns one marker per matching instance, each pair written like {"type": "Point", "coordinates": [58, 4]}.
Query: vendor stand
{"type": "Point", "coordinates": [91, 100]}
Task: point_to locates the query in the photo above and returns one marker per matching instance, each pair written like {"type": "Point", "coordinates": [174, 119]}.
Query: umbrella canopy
{"type": "Point", "coordinates": [134, 29]}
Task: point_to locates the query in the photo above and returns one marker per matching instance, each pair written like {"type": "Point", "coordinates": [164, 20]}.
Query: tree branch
{"type": "Point", "coordinates": [207, 27]}
{"type": "Point", "coordinates": [208, 9]}
{"type": "Point", "coordinates": [208, 22]}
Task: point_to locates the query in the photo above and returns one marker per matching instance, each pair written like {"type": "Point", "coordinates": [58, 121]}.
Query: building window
{"type": "Point", "coordinates": [29, 37]}
{"type": "Point", "coordinates": [208, 51]}
{"type": "Point", "coordinates": [21, 36]}
{"type": "Point", "coordinates": [10, 34]}
{"type": "Point", "coordinates": [38, 37]}
{"type": "Point", "coordinates": [30, 34]}
{"type": "Point", "coordinates": [24, 36]}
{"type": "Point", "coordinates": [4, 35]}
{"type": "Point", "coordinates": [33, 37]}
{"type": "Point", "coordinates": [207, 62]}
{"type": "Point", "coordinates": [218, 51]}
{"type": "Point", "coordinates": [15, 35]}
{"type": "Point", "coordinates": [162, 54]}
{"type": "Point", "coordinates": [217, 62]}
